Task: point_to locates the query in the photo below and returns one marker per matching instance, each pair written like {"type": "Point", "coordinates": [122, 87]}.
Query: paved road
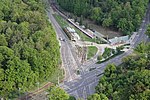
{"type": "Point", "coordinates": [83, 85]}
{"type": "Point", "coordinates": [141, 37]}
{"type": "Point", "coordinates": [68, 59]}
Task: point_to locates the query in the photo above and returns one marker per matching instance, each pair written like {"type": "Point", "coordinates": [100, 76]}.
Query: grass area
{"type": "Point", "coordinates": [60, 21]}
{"type": "Point", "coordinates": [92, 50]}
{"type": "Point", "coordinates": [121, 52]}
{"type": "Point", "coordinates": [86, 38]}
{"type": "Point", "coordinates": [58, 73]}
{"type": "Point", "coordinates": [53, 79]}
{"type": "Point", "coordinates": [82, 35]}
{"type": "Point", "coordinates": [63, 23]}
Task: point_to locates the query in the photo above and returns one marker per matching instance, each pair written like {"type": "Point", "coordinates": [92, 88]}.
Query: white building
{"type": "Point", "coordinates": [71, 33]}
{"type": "Point", "coordinates": [119, 40]}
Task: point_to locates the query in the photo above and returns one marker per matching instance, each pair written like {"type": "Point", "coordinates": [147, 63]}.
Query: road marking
{"type": "Point", "coordinates": [139, 36]}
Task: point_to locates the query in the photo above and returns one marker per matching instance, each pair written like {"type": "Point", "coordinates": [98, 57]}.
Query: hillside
{"type": "Point", "coordinates": [29, 51]}
{"type": "Point", "coordinates": [123, 15]}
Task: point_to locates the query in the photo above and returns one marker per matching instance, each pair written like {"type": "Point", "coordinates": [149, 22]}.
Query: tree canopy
{"type": "Point", "coordinates": [29, 51]}
{"type": "Point", "coordinates": [97, 97]}
{"type": "Point", "coordinates": [56, 93]}
{"type": "Point", "coordinates": [130, 81]}
{"type": "Point", "coordinates": [124, 15]}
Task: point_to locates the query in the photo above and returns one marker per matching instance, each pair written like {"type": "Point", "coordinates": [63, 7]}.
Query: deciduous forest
{"type": "Point", "coordinates": [123, 15]}
{"type": "Point", "coordinates": [129, 81]}
{"type": "Point", "coordinates": [29, 51]}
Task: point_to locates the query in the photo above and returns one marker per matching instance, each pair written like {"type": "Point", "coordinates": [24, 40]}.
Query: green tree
{"type": "Point", "coordinates": [29, 51]}
{"type": "Point", "coordinates": [94, 97]}
{"type": "Point", "coordinates": [72, 98]}
{"type": "Point", "coordinates": [107, 22]}
{"type": "Point", "coordinates": [125, 15]}
{"type": "Point", "coordinates": [3, 41]}
{"type": "Point", "coordinates": [96, 14]}
{"type": "Point", "coordinates": [99, 57]}
{"type": "Point", "coordinates": [107, 52]}
{"type": "Point", "coordinates": [119, 48]}
{"type": "Point", "coordinates": [130, 80]}
{"type": "Point", "coordinates": [110, 69]}
{"type": "Point", "coordinates": [97, 97]}
{"type": "Point", "coordinates": [56, 93]}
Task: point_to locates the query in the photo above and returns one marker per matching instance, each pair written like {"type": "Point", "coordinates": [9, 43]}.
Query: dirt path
{"type": "Point", "coordinates": [38, 91]}
{"type": "Point", "coordinates": [100, 29]}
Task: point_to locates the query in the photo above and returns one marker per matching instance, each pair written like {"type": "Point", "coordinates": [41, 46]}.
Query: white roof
{"type": "Point", "coordinates": [82, 26]}
{"type": "Point", "coordinates": [77, 36]}
{"type": "Point", "coordinates": [119, 39]}
{"type": "Point", "coordinates": [91, 36]}
{"type": "Point", "coordinates": [71, 30]}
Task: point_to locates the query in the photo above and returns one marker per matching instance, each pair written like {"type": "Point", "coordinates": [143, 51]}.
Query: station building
{"type": "Point", "coordinates": [119, 40]}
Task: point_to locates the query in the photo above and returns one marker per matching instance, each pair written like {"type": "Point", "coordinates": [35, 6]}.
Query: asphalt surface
{"type": "Point", "coordinates": [83, 85]}
{"type": "Point", "coordinates": [68, 60]}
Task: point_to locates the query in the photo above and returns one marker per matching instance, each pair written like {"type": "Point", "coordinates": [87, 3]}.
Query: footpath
{"type": "Point", "coordinates": [33, 93]}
